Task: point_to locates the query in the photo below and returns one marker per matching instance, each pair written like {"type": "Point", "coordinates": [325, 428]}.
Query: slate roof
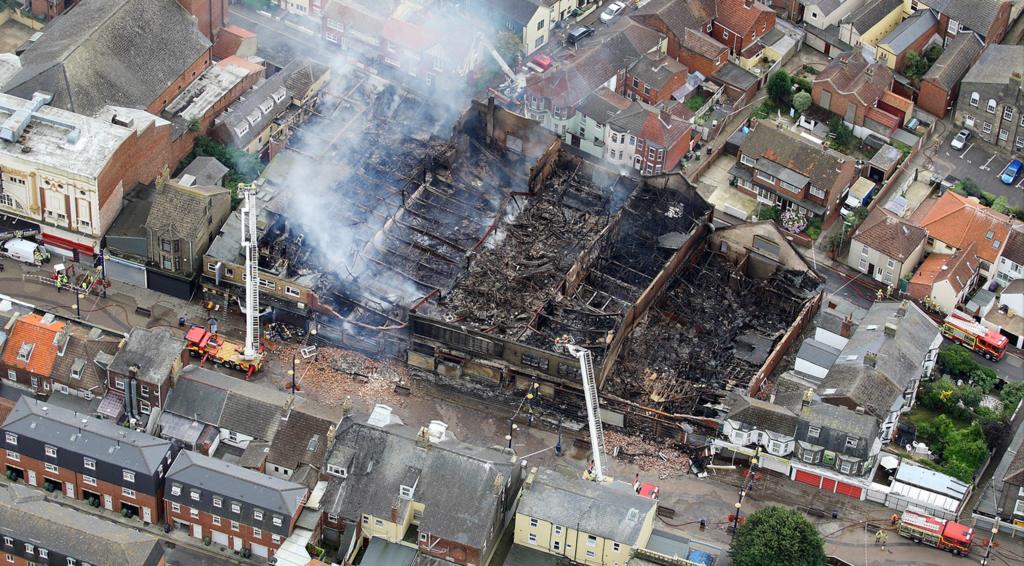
{"type": "Point", "coordinates": [26, 515]}
{"type": "Point", "coordinates": [976, 15]}
{"type": "Point", "coordinates": [36, 337]}
{"type": "Point", "coordinates": [762, 415]}
{"type": "Point", "coordinates": [826, 7]}
{"type": "Point", "coordinates": [909, 30]}
{"type": "Point", "coordinates": [648, 123]}
{"type": "Point", "coordinates": [1014, 250]}
{"type": "Point", "coordinates": [680, 15]}
{"type": "Point", "coordinates": [703, 44]}
{"type": "Point", "coordinates": [836, 424]}
{"type": "Point", "coordinates": [656, 71]}
{"type": "Point", "coordinates": [996, 64]}
{"type": "Point", "coordinates": [378, 459]}
{"type": "Point", "coordinates": [117, 52]}
{"type": "Point", "coordinates": [957, 221]}
{"type": "Point", "coordinates": [101, 439]}
{"type": "Point", "coordinates": [256, 108]}
{"type": "Point", "coordinates": [182, 212]}
{"type": "Point", "coordinates": [301, 79]}
{"type": "Point", "coordinates": [206, 170]}
{"type": "Point", "coordinates": [303, 438]}
{"type": "Point", "coordinates": [871, 13]}
{"type": "Point", "coordinates": [518, 11]}
{"type": "Point", "coordinates": [87, 353]}
{"type": "Point", "coordinates": [889, 235]}
{"type": "Point", "coordinates": [235, 482]}
{"type": "Point", "coordinates": [1015, 470]}
{"type": "Point", "coordinates": [818, 353]}
{"type": "Point", "coordinates": [851, 74]}
{"type": "Point", "coordinates": [226, 402]}
{"type": "Point", "coordinates": [154, 350]}
{"type": "Point", "coordinates": [612, 511]}
{"type": "Point", "coordinates": [770, 145]}
{"type": "Point", "coordinates": [949, 69]}
{"type": "Point", "coordinates": [898, 361]}
{"type": "Point", "coordinates": [602, 104]}
{"type": "Point", "coordinates": [734, 75]}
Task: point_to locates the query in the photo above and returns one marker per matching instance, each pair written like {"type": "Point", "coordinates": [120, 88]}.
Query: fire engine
{"type": "Point", "coordinates": [960, 328]}
{"type": "Point", "coordinates": [201, 343]}
{"type": "Point", "coordinates": [933, 531]}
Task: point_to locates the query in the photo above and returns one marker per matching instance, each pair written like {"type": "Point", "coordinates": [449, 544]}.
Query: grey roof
{"type": "Point", "coordinates": [956, 59]}
{"type": "Point", "coordinates": [598, 106]}
{"type": "Point", "coordinates": [776, 149]}
{"type": "Point", "coordinates": [818, 353]}
{"type": "Point", "coordinates": [996, 64]}
{"type": "Point", "coordinates": [613, 511]}
{"type": "Point", "coordinates": [101, 439]}
{"type": "Point", "coordinates": [826, 7]}
{"type": "Point", "coordinates": [518, 11]}
{"type": "Point", "coordinates": [931, 480]}
{"type": "Point", "coordinates": [383, 553]}
{"type": "Point", "coordinates": [734, 75]}
{"type": "Point", "coordinates": [300, 80]}
{"type": "Point", "coordinates": [885, 157]}
{"type": "Point", "coordinates": [206, 171]}
{"type": "Point", "coordinates": [680, 15]}
{"type": "Point", "coordinates": [898, 359]}
{"type": "Point", "coordinates": [227, 402]}
{"type": "Point", "coordinates": [871, 13]}
{"type": "Point", "coordinates": [377, 460]}
{"type": "Point", "coordinates": [180, 428]}
{"type": "Point", "coordinates": [654, 71]}
{"type": "Point", "coordinates": [1014, 250]}
{"type": "Point", "coordinates": [85, 352]}
{"type": "Point", "coordinates": [232, 481]}
{"type": "Point", "coordinates": [182, 212]}
{"type": "Point", "coordinates": [153, 350]}
{"type": "Point", "coordinates": [762, 415]}
{"type": "Point", "coordinates": [302, 439]}
{"type": "Point", "coordinates": [836, 424]}
{"type": "Point", "coordinates": [116, 52]}
{"type": "Point", "coordinates": [197, 399]}
{"type": "Point", "coordinates": [25, 515]}
{"type": "Point", "coordinates": [909, 30]}
{"type": "Point", "coordinates": [255, 109]}
{"type": "Point", "coordinates": [975, 15]}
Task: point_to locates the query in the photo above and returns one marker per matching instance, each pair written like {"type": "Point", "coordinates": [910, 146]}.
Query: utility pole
{"type": "Point", "coordinates": [991, 539]}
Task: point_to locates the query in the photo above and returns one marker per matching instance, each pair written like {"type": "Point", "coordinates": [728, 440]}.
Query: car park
{"type": "Point", "coordinates": [1011, 172]}
{"type": "Point", "coordinates": [613, 10]}
{"type": "Point", "coordinates": [577, 35]}
{"type": "Point", "coordinates": [960, 140]}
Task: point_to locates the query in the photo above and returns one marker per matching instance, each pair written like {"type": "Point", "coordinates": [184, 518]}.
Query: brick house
{"type": "Point", "coordinates": [850, 86]}
{"type": "Point", "coordinates": [183, 221]}
{"type": "Point", "coordinates": [940, 86]}
{"type": "Point", "coordinates": [912, 34]}
{"type": "Point", "coordinates": [991, 101]}
{"type": "Point", "coordinates": [50, 9]}
{"type": "Point", "coordinates": [232, 506]}
{"type": "Point", "coordinates": [390, 481]}
{"type": "Point", "coordinates": [87, 458]}
{"type": "Point", "coordinates": [140, 373]}
{"type": "Point", "coordinates": [80, 367]}
{"type": "Point", "coordinates": [650, 140]}
{"type": "Point", "coordinates": [302, 440]}
{"type": "Point", "coordinates": [31, 349]}
{"type": "Point", "coordinates": [989, 19]}
{"type": "Point", "coordinates": [739, 23]}
{"type": "Point", "coordinates": [673, 18]}
{"type": "Point", "coordinates": [37, 531]}
{"type": "Point", "coordinates": [782, 169]}
{"type": "Point", "coordinates": [702, 53]}
{"type": "Point", "coordinates": [653, 80]}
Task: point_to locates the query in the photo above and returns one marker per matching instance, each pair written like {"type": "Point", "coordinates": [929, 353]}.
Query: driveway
{"type": "Point", "coordinates": [979, 162]}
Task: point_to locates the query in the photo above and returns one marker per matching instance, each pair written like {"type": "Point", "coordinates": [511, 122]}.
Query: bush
{"type": "Point", "coordinates": [242, 167]}
{"type": "Point", "coordinates": [765, 110]}
{"type": "Point", "coordinates": [957, 360]}
{"type": "Point", "coordinates": [933, 53]}
{"type": "Point", "coordinates": [780, 87]}
{"type": "Point", "coordinates": [696, 102]}
{"type": "Point", "coordinates": [842, 135]}
{"type": "Point", "coordinates": [801, 101]}
{"type": "Point", "coordinates": [968, 188]}
{"type": "Point", "coordinates": [1012, 394]}
{"type": "Point", "coordinates": [809, 70]}
{"type": "Point", "coordinates": [768, 213]}
{"type": "Point", "coordinates": [804, 84]}
{"type": "Point", "coordinates": [813, 229]}
{"type": "Point", "coordinates": [777, 535]}
{"type": "Point", "coordinates": [987, 198]}
{"type": "Point", "coordinates": [916, 66]}
{"type": "Point", "coordinates": [1001, 204]}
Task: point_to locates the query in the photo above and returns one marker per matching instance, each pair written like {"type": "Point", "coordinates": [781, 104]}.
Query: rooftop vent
{"type": "Point", "coordinates": [381, 415]}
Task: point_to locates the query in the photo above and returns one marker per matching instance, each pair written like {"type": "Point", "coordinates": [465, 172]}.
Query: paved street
{"type": "Point", "coordinates": [980, 162]}
{"type": "Point", "coordinates": [279, 42]}
{"type": "Point", "coordinates": [1009, 369]}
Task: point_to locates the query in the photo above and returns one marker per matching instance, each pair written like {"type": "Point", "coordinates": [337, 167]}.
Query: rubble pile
{"type": "Point", "coordinates": [334, 374]}
{"type": "Point", "coordinates": [647, 456]}
{"type": "Point", "coordinates": [709, 334]}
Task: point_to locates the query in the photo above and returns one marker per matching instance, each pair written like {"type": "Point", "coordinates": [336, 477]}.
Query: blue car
{"type": "Point", "coordinates": [1012, 171]}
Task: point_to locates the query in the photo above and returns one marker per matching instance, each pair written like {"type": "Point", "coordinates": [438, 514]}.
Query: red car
{"type": "Point", "coordinates": [542, 61]}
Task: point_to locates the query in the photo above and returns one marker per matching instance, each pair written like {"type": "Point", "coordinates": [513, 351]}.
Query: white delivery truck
{"type": "Point", "coordinates": [860, 194]}
{"type": "Point", "coordinates": [25, 251]}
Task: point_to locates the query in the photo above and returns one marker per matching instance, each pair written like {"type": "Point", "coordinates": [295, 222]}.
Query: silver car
{"type": "Point", "coordinates": [613, 9]}
{"type": "Point", "coordinates": [960, 140]}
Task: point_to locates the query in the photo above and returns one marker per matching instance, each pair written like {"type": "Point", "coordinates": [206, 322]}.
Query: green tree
{"type": "Point", "coordinates": [916, 66]}
{"type": "Point", "coordinates": [1001, 204]}
{"type": "Point", "coordinates": [842, 135]}
{"type": "Point", "coordinates": [957, 361]}
{"type": "Point", "coordinates": [777, 535]}
{"type": "Point", "coordinates": [933, 53]}
{"type": "Point", "coordinates": [985, 378]}
{"type": "Point", "coordinates": [779, 87]}
{"type": "Point", "coordinates": [969, 395]}
{"type": "Point", "coordinates": [801, 101]}
{"type": "Point", "coordinates": [1012, 394]}
{"type": "Point", "coordinates": [939, 395]}
{"type": "Point", "coordinates": [966, 446]}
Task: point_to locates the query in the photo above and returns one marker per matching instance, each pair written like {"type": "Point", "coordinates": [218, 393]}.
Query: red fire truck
{"type": "Point", "coordinates": [933, 531]}
{"type": "Point", "coordinates": [201, 343]}
{"type": "Point", "coordinates": [960, 328]}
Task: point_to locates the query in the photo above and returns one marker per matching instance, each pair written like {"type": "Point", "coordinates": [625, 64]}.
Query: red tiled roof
{"type": "Point", "coordinates": [703, 45]}
{"type": "Point", "coordinates": [850, 73]}
{"type": "Point", "coordinates": [882, 117]}
{"type": "Point", "coordinates": [6, 406]}
{"type": "Point", "coordinates": [957, 269]}
{"type": "Point", "coordinates": [239, 31]}
{"type": "Point", "coordinates": [738, 16]}
{"type": "Point", "coordinates": [890, 235]}
{"type": "Point", "coordinates": [30, 329]}
{"type": "Point", "coordinates": [959, 221]}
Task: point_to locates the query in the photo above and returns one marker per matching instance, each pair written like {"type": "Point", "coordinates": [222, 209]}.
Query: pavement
{"type": "Point", "coordinates": [980, 162]}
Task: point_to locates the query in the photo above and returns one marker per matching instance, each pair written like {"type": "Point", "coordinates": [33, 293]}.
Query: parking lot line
{"type": "Point", "coordinates": [985, 167]}
{"type": "Point", "coordinates": [966, 150]}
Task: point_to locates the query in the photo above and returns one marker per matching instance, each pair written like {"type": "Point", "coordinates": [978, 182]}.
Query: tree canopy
{"type": "Point", "coordinates": [776, 535]}
{"type": "Point", "coordinates": [780, 87]}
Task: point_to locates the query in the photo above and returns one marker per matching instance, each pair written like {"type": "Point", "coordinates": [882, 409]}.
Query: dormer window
{"type": "Point", "coordinates": [405, 492]}
{"type": "Point", "coordinates": [337, 471]}
{"type": "Point", "coordinates": [25, 352]}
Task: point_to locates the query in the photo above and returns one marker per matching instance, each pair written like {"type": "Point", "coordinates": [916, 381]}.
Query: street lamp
{"type": "Point", "coordinates": [78, 304]}
{"type": "Point", "coordinates": [736, 517]}
{"type": "Point", "coordinates": [988, 551]}
{"type": "Point", "coordinates": [512, 426]}
{"type": "Point", "coordinates": [292, 372]}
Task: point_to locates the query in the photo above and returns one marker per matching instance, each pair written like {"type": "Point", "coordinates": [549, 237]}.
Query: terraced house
{"type": "Point", "coordinates": [991, 99]}
{"type": "Point", "coordinates": [86, 458]}
{"type": "Point", "coordinates": [232, 506]}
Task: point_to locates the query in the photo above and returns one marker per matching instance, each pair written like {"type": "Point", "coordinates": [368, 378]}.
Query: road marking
{"type": "Point", "coordinates": [1020, 185]}
{"type": "Point", "coordinates": [985, 167]}
{"type": "Point", "coordinates": [966, 150]}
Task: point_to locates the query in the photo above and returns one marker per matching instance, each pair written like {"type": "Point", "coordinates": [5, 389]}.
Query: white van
{"type": "Point", "coordinates": [25, 251]}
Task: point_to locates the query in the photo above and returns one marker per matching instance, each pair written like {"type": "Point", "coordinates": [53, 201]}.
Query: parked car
{"type": "Point", "coordinates": [613, 9]}
{"type": "Point", "coordinates": [1012, 171]}
{"type": "Point", "coordinates": [577, 35]}
{"type": "Point", "coordinates": [541, 61]}
{"type": "Point", "coordinates": [960, 140]}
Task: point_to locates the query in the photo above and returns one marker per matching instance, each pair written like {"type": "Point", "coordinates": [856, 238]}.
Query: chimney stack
{"type": "Point", "coordinates": [806, 402]}
{"type": "Point", "coordinates": [394, 512]}
{"type": "Point", "coordinates": [902, 310]}
{"type": "Point", "coordinates": [846, 328]}
{"type": "Point", "coordinates": [870, 358]}
{"type": "Point", "coordinates": [890, 328]}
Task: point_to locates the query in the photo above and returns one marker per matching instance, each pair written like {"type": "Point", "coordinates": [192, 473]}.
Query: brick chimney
{"type": "Point", "coordinates": [210, 15]}
{"type": "Point", "coordinates": [846, 328]}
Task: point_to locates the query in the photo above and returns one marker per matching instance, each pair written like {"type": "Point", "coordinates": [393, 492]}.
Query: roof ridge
{"type": "Point", "coordinates": [78, 44]}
